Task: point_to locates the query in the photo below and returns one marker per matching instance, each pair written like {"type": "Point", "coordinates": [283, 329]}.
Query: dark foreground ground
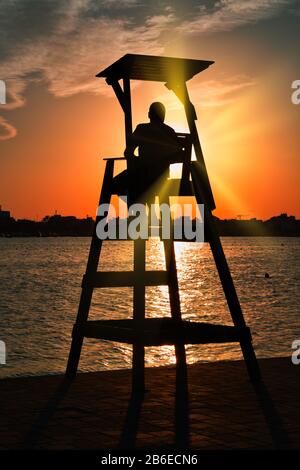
{"type": "Point", "coordinates": [218, 408]}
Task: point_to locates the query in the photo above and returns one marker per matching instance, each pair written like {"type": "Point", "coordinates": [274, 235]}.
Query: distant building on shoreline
{"type": "Point", "coordinates": [58, 225]}
{"type": "Point", "coordinates": [4, 216]}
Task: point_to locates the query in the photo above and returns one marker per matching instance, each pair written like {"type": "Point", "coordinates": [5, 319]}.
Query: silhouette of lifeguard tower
{"type": "Point", "coordinates": [139, 330]}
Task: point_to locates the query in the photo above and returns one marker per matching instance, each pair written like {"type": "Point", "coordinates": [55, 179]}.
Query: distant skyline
{"type": "Point", "coordinates": [59, 120]}
{"type": "Point", "coordinates": [39, 218]}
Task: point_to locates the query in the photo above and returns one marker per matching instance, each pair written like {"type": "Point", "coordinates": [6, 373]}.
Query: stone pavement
{"type": "Point", "coordinates": [217, 409]}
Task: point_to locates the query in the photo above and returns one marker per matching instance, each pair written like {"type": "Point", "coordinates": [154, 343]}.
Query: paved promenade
{"type": "Point", "coordinates": [217, 408]}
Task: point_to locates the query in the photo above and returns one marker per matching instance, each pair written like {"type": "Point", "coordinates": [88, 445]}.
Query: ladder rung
{"type": "Point", "coordinates": [126, 279]}
{"type": "Point", "coordinates": [162, 331]}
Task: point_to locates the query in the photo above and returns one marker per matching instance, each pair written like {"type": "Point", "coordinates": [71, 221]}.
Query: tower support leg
{"type": "Point", "coordinates": [173, 287]}
{"type": "Point", "coordinates": [224, 274]}
{"type": "Point", "coordinates": [139, 292]}
{"type": "Point", "coordinates": [87, 284]}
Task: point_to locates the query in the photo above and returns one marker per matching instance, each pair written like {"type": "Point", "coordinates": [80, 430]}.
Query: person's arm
{"type": "Point", "coordinates": [132, 144]}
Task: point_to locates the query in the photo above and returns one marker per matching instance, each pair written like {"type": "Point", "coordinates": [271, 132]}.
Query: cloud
{"type": "Point", "coordinates": [15, 89]}
{"type": "Point", "coordinates": [66, 42]}
{"type": "Point", "coordinates": [220, 92]}
{"type": "Point", "coordinates": [211, 93]}
{"type": "Point", "coordinates": [7, 131]}
{"type": "Point", "coordinates": [229, 14]}
{"type": "Point", "coordinates": [116, 3]}
{"type": "Point", "coordinates": [295, 10]}
{"type": "Point", "coordinates": [68, 48]}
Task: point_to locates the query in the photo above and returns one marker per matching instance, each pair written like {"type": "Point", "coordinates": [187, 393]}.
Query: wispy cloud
{"type": "Point", "coordinates": [66, 42]}
{"type": "Point", "coordinates": [72, 47]}
{"type": "Point", "coordinates": [7, 131]}
{"type": "Point", "coordinates": [68, 46]}
{"type": "Point", "coordinates": [219, 93]}
{"type": "Point", "coordinates": [229, 14]}
{"type": "Point", "coordinates": [117, 3]}
{"type": "Point", "coordinates": [212, 93]}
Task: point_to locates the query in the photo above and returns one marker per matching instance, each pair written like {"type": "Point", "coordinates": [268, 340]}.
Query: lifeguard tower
{"type": "Point", "coordinates": [141, 331]}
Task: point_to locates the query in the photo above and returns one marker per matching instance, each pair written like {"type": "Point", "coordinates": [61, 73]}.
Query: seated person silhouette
{"type": "Point", "coordinates": [158, 147]}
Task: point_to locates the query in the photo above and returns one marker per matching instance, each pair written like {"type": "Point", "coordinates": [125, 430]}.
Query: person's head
{"type": "Point", "coordinates": [157, 112]}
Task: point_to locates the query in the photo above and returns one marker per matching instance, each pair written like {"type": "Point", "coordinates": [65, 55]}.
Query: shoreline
{"type": "Point", "coordinates": [186, 241]}
{"type": "Point", "coordinates": [128, 369]}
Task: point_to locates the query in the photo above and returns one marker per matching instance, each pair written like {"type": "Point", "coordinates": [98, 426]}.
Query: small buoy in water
{"type": "Point", "coordinates": [267, 276]}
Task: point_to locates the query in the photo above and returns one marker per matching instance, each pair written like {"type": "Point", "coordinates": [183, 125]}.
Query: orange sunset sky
{"type": "Point", "coordinates": [59, 120]}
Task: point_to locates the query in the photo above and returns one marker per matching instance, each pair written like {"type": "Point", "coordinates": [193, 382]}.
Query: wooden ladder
{"type": "Point", "coordinates": [141, 331]}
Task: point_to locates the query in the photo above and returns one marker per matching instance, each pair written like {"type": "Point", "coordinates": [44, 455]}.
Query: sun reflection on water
{"type": "Point", "coordinates": [39, 341]}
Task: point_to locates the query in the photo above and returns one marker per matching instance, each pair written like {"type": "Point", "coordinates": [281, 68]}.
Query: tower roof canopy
{"type": "Point", "coordinates": [154, 68]}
